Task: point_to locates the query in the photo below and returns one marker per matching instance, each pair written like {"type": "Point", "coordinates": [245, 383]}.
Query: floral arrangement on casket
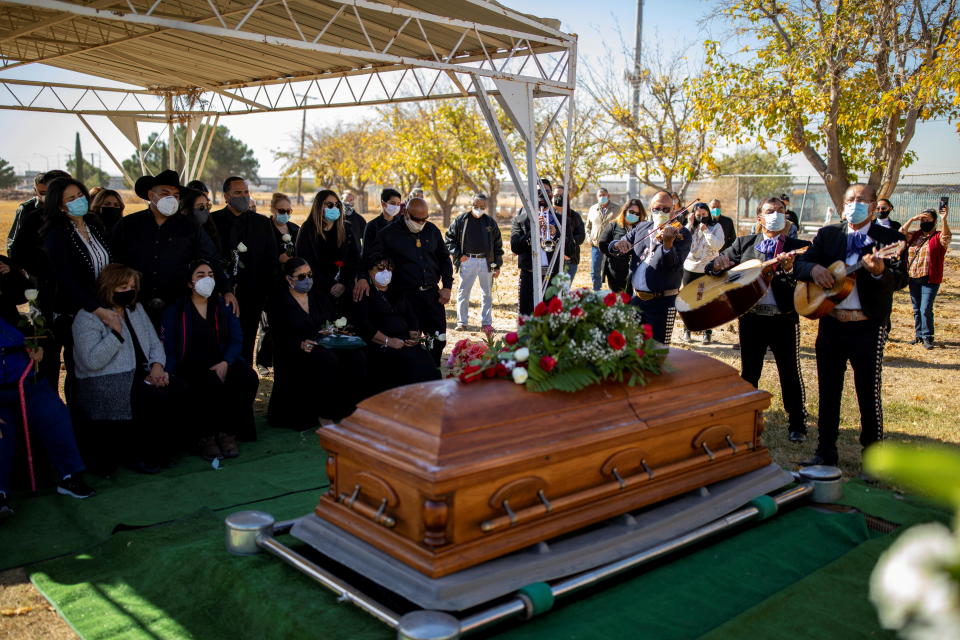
{"type": "Point", "coordinates": [575, 338]}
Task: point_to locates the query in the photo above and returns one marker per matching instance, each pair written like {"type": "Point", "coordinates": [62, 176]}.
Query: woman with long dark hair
{"type": "Point", "coordinates": [195, 205]}
{"type": "Point", "coordinates": [77, 251]}
{"type": "Point", "coordinates": [616, 268]}
{"type": "Point", "coordinates": [311, 382]}
{"type": "Point", "coordinates": [326, 242]}
{"type": "Point", "coordinates": [203, 343]}
{"type": "Point", "coordinates": [108, 205]}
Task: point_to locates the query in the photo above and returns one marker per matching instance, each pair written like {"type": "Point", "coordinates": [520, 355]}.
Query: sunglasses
{"type": "Point", "coordinates": [663, 209]}
{"type": "Point", "coordinates": [284, 211]}
{"type": "Point", "coordinates": [303, 276]}
{"type": "Point", "coordinates": [879, 210]}
{"type": "Point", "coordinates": [332, 204]}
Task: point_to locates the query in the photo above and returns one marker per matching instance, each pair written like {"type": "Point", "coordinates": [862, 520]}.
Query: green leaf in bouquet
{"type": "Point", "coordinates": [932, 470]}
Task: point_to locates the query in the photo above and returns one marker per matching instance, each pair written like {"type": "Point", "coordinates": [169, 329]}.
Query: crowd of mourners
{"type": "Point", "coordinates": [158, 316]}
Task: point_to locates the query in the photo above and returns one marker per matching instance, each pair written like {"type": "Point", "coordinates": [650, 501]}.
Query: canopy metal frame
{"type": "Point", "coordinates": [191, 62]}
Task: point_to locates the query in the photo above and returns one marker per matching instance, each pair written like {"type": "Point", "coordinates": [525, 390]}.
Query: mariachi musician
{"type": "Point", "coordinates": [772, 322]}
{"type": "Point", "coordinates": [658, 247]}
{"type": "Point", "coordinates": [855, 330]}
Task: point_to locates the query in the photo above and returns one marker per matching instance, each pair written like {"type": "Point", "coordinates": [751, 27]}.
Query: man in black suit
{"type": "Point", "coordinates": [855, 330]}
{"type": "Point", "coordinates": [883, 211]}
{"type": "Point", "coordinates": [656, 264]}
{"type": "Point", "coordinates": [772, 322]}
{"type": "Point", "coordinates": [729, 229]}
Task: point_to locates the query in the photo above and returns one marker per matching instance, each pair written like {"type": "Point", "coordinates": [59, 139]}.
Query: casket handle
{"type": "Point", "coordinates": [377, 514]}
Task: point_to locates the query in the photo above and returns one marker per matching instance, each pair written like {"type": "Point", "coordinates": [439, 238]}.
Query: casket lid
{"type": "Point", "coordinates": [437, 428]}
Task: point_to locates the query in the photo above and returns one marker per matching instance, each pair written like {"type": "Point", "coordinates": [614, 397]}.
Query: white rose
{"type": "Point", "coordinates": [242, 248]}
{"type": "Point", "coordinates": [286, 237]}
{"type": "Point", "coordinates": [521, 354]}
{"type": "Point", "coordinates": [340, 323]}
{"type": "Point", "coordinates": [31, 295]}
{"type": "Point", "coordinates": [519, 375]}
{"type": "Point", "coordinates": [441, 337]}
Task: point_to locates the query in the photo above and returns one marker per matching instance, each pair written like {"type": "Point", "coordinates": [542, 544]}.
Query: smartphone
{"type": "Point", "coordinates": [944, 201]}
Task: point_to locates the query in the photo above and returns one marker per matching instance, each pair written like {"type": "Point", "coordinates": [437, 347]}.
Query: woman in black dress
{"type": "Point", "coordinates": [392, 333]}
{"type": "Point", "coordinates": [285, 233]}
{"type": "Point", "coordinates": [617, 267]}
{"type": "Point", "coordinates": [326, 242]}
{"type": "Point", "coordinates": [203, 342]}
{"type": "Point", "coordinates": [310, 382]}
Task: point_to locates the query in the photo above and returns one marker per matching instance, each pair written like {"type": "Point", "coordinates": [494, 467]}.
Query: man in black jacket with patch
{"type": "Point", "coordinates": [772, 322]}
{"type": "Point", "coordinates": [249, 248]}
{"type": "Point", "coordinates": [474, 241]}
{"type": "Point", "coordinates": [855, 330]}
{"type": "Point", "coordinates": [415, 247]}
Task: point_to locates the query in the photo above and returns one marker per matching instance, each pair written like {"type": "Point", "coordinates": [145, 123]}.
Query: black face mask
{"type": "Point", "coordinates": [124, 298]}
{"type": "Point", "coordinates": [558, 200]}
{"type": "Point", "coordinates": [201, 216]}
{"type": "Point", "coordinates": [883, 215]}
{"type": "Point", "coordinates": [927, 227]}
{"type": "Point", "coordinates": [707, 220]}
{"type": "Point", "coordinates": [110, 212]}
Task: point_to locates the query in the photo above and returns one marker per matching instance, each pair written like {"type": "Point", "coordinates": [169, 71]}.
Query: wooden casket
{"type": "Point", "coordinates": [443, 476]}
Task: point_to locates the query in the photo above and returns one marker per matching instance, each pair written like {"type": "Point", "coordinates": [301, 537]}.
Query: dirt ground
{"type": "Point", "coordinates": [919, 405]}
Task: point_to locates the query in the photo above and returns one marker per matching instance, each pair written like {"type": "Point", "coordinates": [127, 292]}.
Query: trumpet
{"type": "Point", "coordinates": [547, 242]}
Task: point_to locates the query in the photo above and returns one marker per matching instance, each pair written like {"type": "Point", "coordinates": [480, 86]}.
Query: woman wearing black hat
{"type": "Point", "coordinates": [159, 243]}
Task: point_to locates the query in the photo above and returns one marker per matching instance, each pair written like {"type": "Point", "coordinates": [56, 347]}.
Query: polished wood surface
{"type": "Point", "coordinates": [710, 301]}
{"type": "Point", "coordinates": [443, 476]}
{"type": "Point", "coordinates": [813, 301]}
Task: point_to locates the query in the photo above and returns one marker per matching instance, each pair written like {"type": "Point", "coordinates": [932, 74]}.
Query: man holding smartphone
{"type": "Point", "coordinates": [926, 250]}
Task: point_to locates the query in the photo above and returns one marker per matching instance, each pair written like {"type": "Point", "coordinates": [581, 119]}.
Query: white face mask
{"type": "Point", "coordinates": [204, 286]}
{"type": "Point", "coordinates": [415, 227]}
{"type": "Point", "coordinates": [477, 212]}
{"type": "Point", "coordinates": [392, 209]}
{"type": "Point", "coordinates": [660, 218]}
{"type": "Point", "coordinates": [774, 221]}
{"type": "Point", "coordinates": [383, 278]}
{"type": "Point", "coordinates": [168, 205]}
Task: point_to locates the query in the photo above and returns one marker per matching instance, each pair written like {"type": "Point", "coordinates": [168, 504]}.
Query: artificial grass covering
{"type": "Point", "coordinates": [791, 576]}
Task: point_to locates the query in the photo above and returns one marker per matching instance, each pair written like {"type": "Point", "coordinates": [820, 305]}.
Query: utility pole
{"type": "Point", "coordinates": [633, 184]}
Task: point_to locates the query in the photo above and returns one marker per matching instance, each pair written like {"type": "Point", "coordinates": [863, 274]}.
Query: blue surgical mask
{"type": "Point", "coordinates": [632, 218]}
{"type": "Point", "coordinates": [79, 207]}
{"type": "Point", "coordinates": [715, 212]}
{"type": "Point", "coordinates": [855, 212]}
{"type": "Point", "coordinates": [604, 200]}
{"type": "Point", "coordinates": [332, 214]}
{"type": "Point", "coordinates": [283, 218]}
{"type": "Point", "coordinates": [303, 286]}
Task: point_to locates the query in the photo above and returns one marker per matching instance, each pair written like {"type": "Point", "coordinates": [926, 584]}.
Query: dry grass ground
{"type": "Point", "coordinates": [920, 402]}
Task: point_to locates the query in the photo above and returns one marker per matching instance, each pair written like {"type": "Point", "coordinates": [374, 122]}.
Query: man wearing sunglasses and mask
{"type": "Point", "coordinates": [416, 248]}
{"type": "Point", "coordinates": [659, 249]}
{"type": "Point", "coordinates": [855, 330]}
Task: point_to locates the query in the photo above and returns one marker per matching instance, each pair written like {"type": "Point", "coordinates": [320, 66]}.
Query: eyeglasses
{"type": "Point", "coordinates": [284, 211]}
{"type": "Point", "coordinates": [663, 209]}
{"type": "Point", "coordinates": [303, 276]}
{"type": "Point", "coordinates": [332, 204]}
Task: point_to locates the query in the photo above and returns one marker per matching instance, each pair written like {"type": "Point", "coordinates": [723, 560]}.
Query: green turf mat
{"type": "Point", "coordinates": [49, 525]}
{"type": "Point", "coordinates": [902, 509]}
{"type": "Point", "coordinates": [176, 581]}
{"type": "Point", "coordinates": [829, 603]}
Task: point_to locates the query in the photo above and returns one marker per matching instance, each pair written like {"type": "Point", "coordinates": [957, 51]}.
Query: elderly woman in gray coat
{"type": "Point", "coordinates": [121, 385]}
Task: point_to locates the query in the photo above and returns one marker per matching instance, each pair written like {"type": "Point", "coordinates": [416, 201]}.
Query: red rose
{"type": "Point", "coordinates": [641, 353]}
{"type": "Point", "coordinates": [501, 370]}
{"type": "Point", "coordinates": [616, 340]}
{"type": "Point", "coordinates": [576, 312]}
{"type": "Point", "coordinates": [555, 306]}
{"type": "Point", "coordinates": [489, 372]}
{"type": "Point", "coordinates": [338, 263]}
{"type": "Point", "coordinates": [610, 299]}
{"type": "Point", "coordinates": [540, 309]}
{"type": "Point", "coordinates": [520, 321]}
{"type": "Point", "coordinates": [624, 297]}
{"type": "Point", "coordinates": [547, 363]}
{"type": "Point", "coordinates": [470, 373]}
{"type": "Point", "coordinates": [647, 332]}
{"type": "Point", "coordinates": [511, 338]}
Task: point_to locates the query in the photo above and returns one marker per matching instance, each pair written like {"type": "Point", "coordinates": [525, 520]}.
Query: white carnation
{"type": "Point", "coordinates": [519, 375]}
{"type": "Point", "coordinates": [521, 354]}
{"type": "Point", "coordinates": [286, 237]}
{"type": "Point", "coordinates": [340, 323]}
{"type": "Point", "coordinates": [31, 295]}
{"type": "Point", "coordinates": [242, 248]}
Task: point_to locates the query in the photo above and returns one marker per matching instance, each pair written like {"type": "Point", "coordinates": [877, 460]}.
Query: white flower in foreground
{"type": "Point", "coordinates": [31, 295]}
{"type": "Point", "coordinates": [441, 337]}
{"type": "Point", "coordinates": [286, 237]}
{"type": "Point", "coordinates": [519, 375]}
{"type": "Point", "coordinates": [521, 354]}
{"type": "Point", "coordinates": [911, 585]}
{"type": "Point", "coordinates": [242, 248]}
{"type": "Point", "coordinates": [340, 323]}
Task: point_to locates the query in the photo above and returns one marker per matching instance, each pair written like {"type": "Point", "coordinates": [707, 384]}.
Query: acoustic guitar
{"type": "Point", "coordinates": [813, 301]}
{"type": "Point", "coordinates": [711, 301]}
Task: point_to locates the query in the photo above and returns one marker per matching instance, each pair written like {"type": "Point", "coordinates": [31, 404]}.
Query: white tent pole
{"type": "Point", "coordinates": [206, 150]}
{"type": "Point", "coordinates": [533, 212]}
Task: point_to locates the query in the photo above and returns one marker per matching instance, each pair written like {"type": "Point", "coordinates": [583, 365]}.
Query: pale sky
{"type": "Point", "coordinates": [40, 141]}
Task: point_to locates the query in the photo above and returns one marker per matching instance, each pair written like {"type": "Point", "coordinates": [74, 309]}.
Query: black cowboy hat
{"type": "Point", "coordinates": [167, 177]}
